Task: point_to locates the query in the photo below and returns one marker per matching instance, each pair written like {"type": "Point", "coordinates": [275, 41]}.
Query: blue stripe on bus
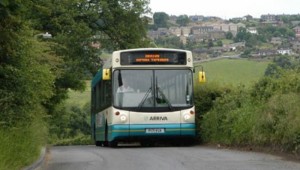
{"type": "Point", "coordinates": [97, 78]}
{"type": "Point", "coordinates": [139, 130]}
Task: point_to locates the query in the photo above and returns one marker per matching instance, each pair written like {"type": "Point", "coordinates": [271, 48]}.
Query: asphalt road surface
{"type": "Point", "coordinates": [162, 158]}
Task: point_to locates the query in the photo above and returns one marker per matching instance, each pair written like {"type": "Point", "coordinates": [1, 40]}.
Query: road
{"type": "Point", "coordinates": [162, 158]}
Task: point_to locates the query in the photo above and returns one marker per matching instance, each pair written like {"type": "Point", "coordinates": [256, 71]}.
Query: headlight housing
{"type": "Point", "coordinates": [187, 117]}
{"type": "Point", "coordinates": [123, 118]}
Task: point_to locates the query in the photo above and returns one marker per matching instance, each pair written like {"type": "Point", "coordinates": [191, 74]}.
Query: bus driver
{"type": "Point", "coordinates": [125, 88]}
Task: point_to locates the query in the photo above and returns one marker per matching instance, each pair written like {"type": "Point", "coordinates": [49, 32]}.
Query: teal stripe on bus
{"type": "Point", "coordinates": [140, 130]}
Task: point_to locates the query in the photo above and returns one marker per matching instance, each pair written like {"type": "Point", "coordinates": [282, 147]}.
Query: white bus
{"type": "Point", "coordinates": [144, 95]}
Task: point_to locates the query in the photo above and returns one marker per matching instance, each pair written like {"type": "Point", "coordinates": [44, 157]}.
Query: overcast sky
{"type": "Point", "coordinates": [226, 8]}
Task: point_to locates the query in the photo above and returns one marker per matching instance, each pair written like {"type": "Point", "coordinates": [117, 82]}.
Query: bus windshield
{"type": "Point", "coordinates": [153, 90]}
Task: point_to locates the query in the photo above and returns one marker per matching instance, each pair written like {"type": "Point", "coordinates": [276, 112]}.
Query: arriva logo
{"type": "Point", "coordinates": [161, 118]}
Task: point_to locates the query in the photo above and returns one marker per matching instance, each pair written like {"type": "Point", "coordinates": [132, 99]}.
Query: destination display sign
{"type": "Point", "coordinates": [153, 58]}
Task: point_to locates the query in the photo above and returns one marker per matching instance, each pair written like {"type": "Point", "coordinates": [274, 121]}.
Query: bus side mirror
{"type": "Point", "coordinates": [106, 74]}
{"type": "Point", "coordinates": [202, 78]}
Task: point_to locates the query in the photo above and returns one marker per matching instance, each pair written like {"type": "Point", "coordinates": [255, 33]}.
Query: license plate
{"type": "Point", "coordinates": [155, 130]}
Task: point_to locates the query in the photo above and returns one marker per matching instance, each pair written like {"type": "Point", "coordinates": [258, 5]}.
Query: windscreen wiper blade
{"type": "Point", "coordinates": [144, 98]}
{"type": "Point", "coordinates": [164, 97]}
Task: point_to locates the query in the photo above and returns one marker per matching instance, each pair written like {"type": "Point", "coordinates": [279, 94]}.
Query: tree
{"type": "Point", "coordinates": [121, 24]}
{"type": "Point", "coordinates": [26, 81]}
{"type": "Point", "coordinates": [169, 42]}
{"type": "Point", "coordinates": [242, 35]}
{"type": "Point", "coordinates": [283, 62]}
{"type": "Point", "coordinates": [161, 19]}
{"type": "Point", "coordinates": [210, 43]}
{"type": "Point", "coordinates": [183, 20]}
{"type": "Point", "coordinates": [75, 25]}
{"type": "Point", "coordinates": [272, 70]}
{"type": "Point", "coordinates": [219, 43]}
{"type": "Point", "coordinates": [229, 35]}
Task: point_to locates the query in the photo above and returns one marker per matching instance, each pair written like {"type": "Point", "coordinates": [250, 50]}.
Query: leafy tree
{"type": "Point", "coordinates": [229, 35]}
{"type": "Point", "coordinates": [210, 43]}
{"type": "Point", "coordinates": [26, 82]}
{"type": "Point", "coordinates": [242, 35]}
{"type": "Point", "coordinates": [246, 52]}
{"type": "Point", "coordinates": [272, 31]}
{"type": "Point", "coordinates": [183, 20]}
{"type": "Point", "coordinates": [169, 42]}
{"type": "Point", "coordinates": [251, 41]}
{"type": "Point", "coordinates": [75, 25]}
{"type": "Point", "coordinates": [279, 63]}
{"type": "Point", "coordinates": [219, 43]}
{"type": "Point", "coordinates": [120, 23]}
{"type": "Point", "coordinates": [272, 70]}
{"type": "Point", "coordinates": [37, 73]}
{"type": "Point", "coordinates": [283, 62]}
{"type": "Point", "coordinates": [161, 19]}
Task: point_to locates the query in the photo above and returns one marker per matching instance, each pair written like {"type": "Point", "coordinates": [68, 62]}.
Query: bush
{"type": "Point", "coordinates": [79, 139]}
{"type": "Point", "coordinates": [69, 125]}
{"type": "Point", "coordinates": [267, 114]}
{"type": "Point", "coordinates": [280, 123]}
{"type": "Point", "coordinates": [205, 96]}
{"type": "Point", "coordinates": [230, 119]}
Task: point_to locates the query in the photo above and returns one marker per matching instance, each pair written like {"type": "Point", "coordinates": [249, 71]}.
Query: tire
{"type": "Point", "coordinates": [113, 144]}
{"type": "Point", "coordinates": [147, 143]}
{"type": "Point", "coordinates": [106, 143]}
{"type": "Point", "coordinates": [98, 143]}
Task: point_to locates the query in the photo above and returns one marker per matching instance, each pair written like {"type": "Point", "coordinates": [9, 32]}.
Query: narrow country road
{"type": "Point", "coordinates": [162, 158]}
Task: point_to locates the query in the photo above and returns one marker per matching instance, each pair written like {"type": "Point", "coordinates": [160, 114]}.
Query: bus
{"type": "Point", "coordinates": [144, 95]}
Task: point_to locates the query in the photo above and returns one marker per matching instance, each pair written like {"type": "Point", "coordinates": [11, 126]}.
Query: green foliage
{"type": "Point", "coordinates": [77, 98]}
{"type": "Point", "coordinates": [21, 72]}
{"type": "Point", "coordinates": [242, 35]}
{"type": "Point", "coordinates": [36, 74]}
{"type": "Point", "coordinates": [169, 42]}
{"type": "Point", "coordinates": [229, 35]}
{"type": "Point", "coordinates": [281, 122]}
{"type": "Point", "coordinates": [205, 95]}
{"type": "Point", "coordinates": [20, 146]}
{"type": "Point", "coordinates": [160, 19]}
{"type": "Point", "coordinates": [272, 31]}
{"type": "Point", "coordinates": [267, 114]}
{"type": "Point", "coordinates": [79, 139]}
{"type": "Point", "coordinates": [120, 22]}
{"type": "Point", "coordinates": [182, 20]}
{"type": "Point", "coordinates": [69, 124]}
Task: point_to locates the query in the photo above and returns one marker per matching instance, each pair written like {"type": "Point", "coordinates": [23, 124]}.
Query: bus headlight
{"type": "Point", "coordinates": [186, 117]}
{"type": "Point", "coordinates": [123, 118]}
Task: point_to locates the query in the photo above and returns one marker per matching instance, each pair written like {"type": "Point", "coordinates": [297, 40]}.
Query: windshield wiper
{"type": "Point", "coordinates": [164, 97]}
{"type": "Point", "coordinates": [145, 97]}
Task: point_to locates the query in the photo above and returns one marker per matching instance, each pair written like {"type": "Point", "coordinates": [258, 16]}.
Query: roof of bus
{"type": "Point", "coordinates": [151, 49]}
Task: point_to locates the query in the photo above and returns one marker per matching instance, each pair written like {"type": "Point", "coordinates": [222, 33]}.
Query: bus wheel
{"type": "Point", "coordinates": [105, 143]}
{"type": "Point", "coordinates": [113, 144]}
{"type": "Point", "coordinates": [147, 143]}
{"type": "Point", "coordinates": [98, 143]}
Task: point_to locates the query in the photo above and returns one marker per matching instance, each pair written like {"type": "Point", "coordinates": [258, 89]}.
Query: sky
{"type": "Point", "coordinates": [225, 9]}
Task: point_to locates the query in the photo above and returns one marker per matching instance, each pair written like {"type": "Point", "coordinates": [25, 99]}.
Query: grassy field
{"type": "Point", "coordinates": [234, 71]}
{"type": "Point", "coordinates": [77, 98]}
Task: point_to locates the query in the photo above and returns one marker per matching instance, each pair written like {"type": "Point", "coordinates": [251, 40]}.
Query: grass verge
{"type": "Point", "coordinates": [21, 146]}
